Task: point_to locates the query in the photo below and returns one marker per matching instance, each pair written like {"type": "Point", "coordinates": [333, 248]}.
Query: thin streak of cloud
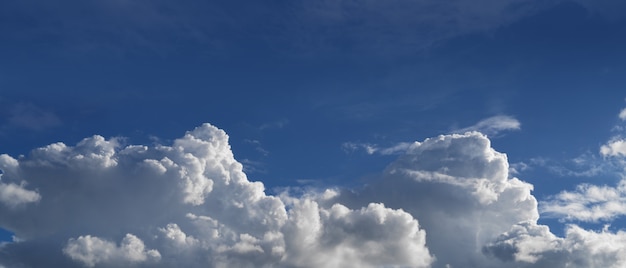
{"type": "Point", "coordinates": [494, 125]}
{"type": "Point", "coordinates": [32, 117]}
{"type": "Point", "coordinates": [274, 125]}
{"type": "Point", "coordinates": [397, 148]}
{"type": "Point", "coordinates": [257, 146]}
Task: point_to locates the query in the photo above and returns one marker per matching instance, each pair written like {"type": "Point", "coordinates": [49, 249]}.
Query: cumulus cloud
{"type": "Point", "coordinates": [93, 250]}
{"type": "Point", "coordinates": [447, 201]}
{"type": "Point", "coordinates": [534, 245]}
{"type": "Point", "coordinates": [467, 200]}
{"type": "Point", "coordinates": [589, 203]}
{"type": "Point", "coordinates": [493, 125]}
{"type": "Point", "coordinates": [185, 204]}
{"type": "Point", "coordinates": [13, 195]}
{"type": "Point", "coordinates": [459, 189]}
{"type": "Point", "coordinates": [615, 147]}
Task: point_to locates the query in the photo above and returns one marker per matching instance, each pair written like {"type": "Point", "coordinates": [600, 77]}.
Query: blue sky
{"type": "Point", "coordinates": [304, 88]}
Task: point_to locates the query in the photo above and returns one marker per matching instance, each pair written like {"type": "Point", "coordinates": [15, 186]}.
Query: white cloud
{"type": "Point", "coordinates": [536, 246]}
{"type": "Point", "coordinates": [448, 201]}
{"type": "Point", "coordinates": [459, 189]}
{"type": "Point", "coordinates": [616, 147]}
{"type": "Point", "coordinates": [397, 148]}
{"type": "Point", "coordinates": [533, 244]}
{"type": "Point", "coordinates": [493, 125]}
{"type": "Point", "coordinates": [93, 250]}
{"type": "Point", "coordinates": [185, 204]}
{"type": "Point", "coordinates": [13, 195]}
{"type": "Point", "coordinates": [463, 194]}
{"type": "Point", "coordinates": [590, 203]}
{"type": "Point", "coordinates": [622, 114]}
{"type": "Point", "coordinates": [327, 237]}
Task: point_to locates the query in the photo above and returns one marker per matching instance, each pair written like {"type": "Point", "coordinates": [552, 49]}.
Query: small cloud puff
{"type": "Point", "coordinates": [91, 250]}
{"type": "Point", "coordinates": [622, 114]}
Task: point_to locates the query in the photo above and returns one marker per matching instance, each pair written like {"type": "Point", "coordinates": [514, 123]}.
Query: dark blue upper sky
{"type": "Point", "coordinates": [291, 81]}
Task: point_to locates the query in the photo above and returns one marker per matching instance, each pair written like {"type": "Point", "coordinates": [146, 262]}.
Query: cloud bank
{"type": "Point", "coordinates": [447, 201]}
{"type": "Point", "coordinates": [101, 204]}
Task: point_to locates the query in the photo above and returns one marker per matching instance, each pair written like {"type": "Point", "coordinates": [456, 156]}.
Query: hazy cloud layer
{"type": "Point", "coordinates": [381, 27]}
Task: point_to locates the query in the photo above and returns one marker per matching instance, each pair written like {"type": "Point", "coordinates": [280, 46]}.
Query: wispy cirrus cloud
{"type": "Point", "coordinates": [397, 148]}
{"type": "Point", "coordinates": [494, 125]}
{"type": "Point", "coordinates": [27, 115]}
{"type": "Point", "coordinates": [274, 125]}
{"type": "Point", "coordinates": [382, 27]}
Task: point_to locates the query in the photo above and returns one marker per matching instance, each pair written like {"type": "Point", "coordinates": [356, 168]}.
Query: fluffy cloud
{"type": "Point", "coordinates": [533, 245]}
{"type": "Point", "coordinates": [185, 204]}
{"type": "Point", "coordinates": [459, 188]}
{"type": "Point", "coordinates": [448, 201]}
{"type": "Point", "coordinates": [93, 250]}
{"type": "Point", "coordinates": [589, 203]}
{"type": "Point", "coordinates": [615, 147]}
{"type": "Point", "coordinates": [13, 195]}
{"type": "Point", "coordinates": [476, 214]}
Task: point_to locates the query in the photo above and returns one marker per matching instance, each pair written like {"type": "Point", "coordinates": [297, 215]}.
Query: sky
{"type": "Point", "coordinates": [330, 133]}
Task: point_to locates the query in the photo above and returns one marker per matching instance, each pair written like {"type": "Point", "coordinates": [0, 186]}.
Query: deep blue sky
{"type": "Point", "coordinates": [290, 82]}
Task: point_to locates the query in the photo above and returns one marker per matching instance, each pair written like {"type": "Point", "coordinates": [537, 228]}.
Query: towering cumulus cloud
{"type": "Point", "coordinates": [459, 188]}
{"type": "Point", "coordinates": [188, 204]}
